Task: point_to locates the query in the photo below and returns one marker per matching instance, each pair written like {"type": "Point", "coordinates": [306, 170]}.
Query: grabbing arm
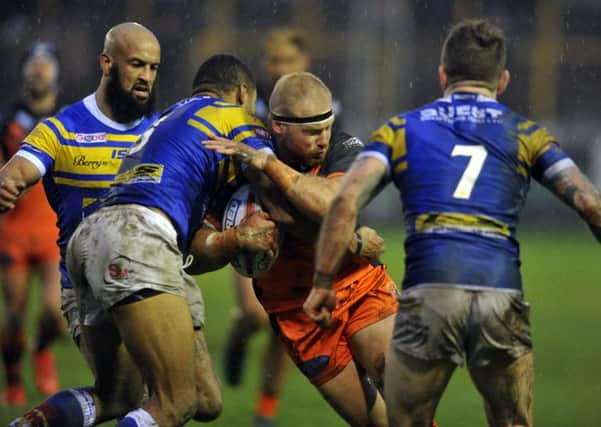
{"type": "Point", "coordinates": [213, 249]}
{"type": "Point", "coordinates": [358, 186]}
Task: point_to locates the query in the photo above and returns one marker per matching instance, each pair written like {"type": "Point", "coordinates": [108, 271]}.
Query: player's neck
{"type": "Point", "coordinates": [43, 106]}
{"type": "Point", "coordinates": [470, 87]}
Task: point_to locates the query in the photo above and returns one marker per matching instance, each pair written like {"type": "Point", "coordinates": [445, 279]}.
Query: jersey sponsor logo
{"type": "Point", "coordinates": [462, 113]}
{"type": "Point", "coordinates": [84, 138]}
{"type": "Point", "coordinates": [352, 143]}
{"type": "Point", "coordinates": [151, 173]}
{"type": "Point", "coordinates": [82, 161]}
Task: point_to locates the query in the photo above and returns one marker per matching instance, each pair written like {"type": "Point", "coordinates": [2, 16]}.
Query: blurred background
{"type": "Point", "coordinates": [379, 57]}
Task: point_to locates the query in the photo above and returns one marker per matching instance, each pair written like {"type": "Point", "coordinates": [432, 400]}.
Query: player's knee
{"type": "Point", "coordinates": [379, 368]}
{"type": "Point", "coordinates": [209, 408]}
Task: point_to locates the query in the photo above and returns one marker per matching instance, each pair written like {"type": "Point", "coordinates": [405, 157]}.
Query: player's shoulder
{"type": "Point", "coordinates": [225, 117]}
{"type": "Point", "coordinates": [342, 142]}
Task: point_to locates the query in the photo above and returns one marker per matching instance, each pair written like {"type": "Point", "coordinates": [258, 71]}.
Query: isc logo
{"type": "Point", "coordinates": [119, 154]}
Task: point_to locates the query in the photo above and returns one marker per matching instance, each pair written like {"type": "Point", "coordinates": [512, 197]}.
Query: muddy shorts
{"type": "Point", "coordinates": [118, 252]}
{"type": "Point", "coordinates": [451, 323]}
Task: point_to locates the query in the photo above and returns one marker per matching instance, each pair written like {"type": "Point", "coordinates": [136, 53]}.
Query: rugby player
{"type": "Point", "coordinates": [28, 237]}
{"type": "Point", "coordinates": [77, 154]}
{"type": "Point", "coordinates": [462, 165]}
{"type": "Point", "coordinates": [285, 50]}
{"type": "Point", "coordinates": [346, 362]}
{"type": "Point", "coordinates": [126, 260]}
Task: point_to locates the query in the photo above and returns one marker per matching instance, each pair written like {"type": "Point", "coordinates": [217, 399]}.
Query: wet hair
{"type": "Point", "coordinates": [222, 74]}
{"type": "Point", "coordinates": [474, 49]}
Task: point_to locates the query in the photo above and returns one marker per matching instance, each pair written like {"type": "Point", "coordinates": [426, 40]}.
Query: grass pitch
{"type": "Point", "coordinates": [561, 273]}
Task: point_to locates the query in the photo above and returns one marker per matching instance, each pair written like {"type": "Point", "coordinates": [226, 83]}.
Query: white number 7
{"type": "Point", "coordinates": [477, 155]}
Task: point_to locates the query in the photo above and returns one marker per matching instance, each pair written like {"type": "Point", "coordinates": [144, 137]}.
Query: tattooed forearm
{"type": "Point", "coordinates": [574, 188]}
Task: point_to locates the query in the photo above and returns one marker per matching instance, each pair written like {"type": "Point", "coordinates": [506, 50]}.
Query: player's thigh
{"type": "Point", "coordinates": [208, 390]}
{"type": "Point", "coordinates": [507, 389]}
{"type": "Point", "coordinates": [352, 398]}
{"type": "Point", "coordinates": [119, 385]}
{"type": "Point", "coordinates": [413, 387]}
{"type": "Point", "coordinates": [371, 322]}
{"type": "Point", "coordinates": [159, 335]}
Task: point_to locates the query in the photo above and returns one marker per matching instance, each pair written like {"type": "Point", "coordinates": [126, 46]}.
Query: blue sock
{"type": "Point", "coordinates": [67, 408]}
{"type": "Point", "coordinates": [137, 418]}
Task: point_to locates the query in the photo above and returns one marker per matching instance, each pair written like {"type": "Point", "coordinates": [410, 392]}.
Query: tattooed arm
{"type": "Point", "coordinates": [359, 185]}
{"type": "Point", "coordinates": [574, 188]}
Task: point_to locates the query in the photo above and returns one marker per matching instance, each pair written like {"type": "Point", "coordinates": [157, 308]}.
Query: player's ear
{"type": "Point", "coordinates": [503, 82]}
{"type": "Point", "coordinates": [274, 127]}
{"type": "Point", "coordinates": [105, 63]}
{"type": "Point", "coordinates": [242, 94]}
{"type": "Point", "coordinates": [443, 77]}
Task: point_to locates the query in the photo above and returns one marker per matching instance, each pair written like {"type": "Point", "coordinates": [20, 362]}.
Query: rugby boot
{"type": "Point", "coordinates": [46, 378]}
{"type": "Point", "coordinates": [13, 395]}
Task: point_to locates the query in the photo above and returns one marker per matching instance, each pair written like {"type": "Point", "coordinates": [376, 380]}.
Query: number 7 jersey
{"type": "Point", "coordinates": [463, 166]}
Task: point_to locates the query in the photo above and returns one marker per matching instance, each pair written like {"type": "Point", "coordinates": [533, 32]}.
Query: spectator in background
{"type": "Point", "coordinates": [28, 236]}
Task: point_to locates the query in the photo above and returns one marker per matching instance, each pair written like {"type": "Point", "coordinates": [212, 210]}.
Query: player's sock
{"type": "Point", "coordinates": [137, 418]}
{"type": "Point", "coordinates": [13, 346]}
{"type": "Point", "coordinates": [267, 406]}
{"type": "Point", "coordinates": [67, 408]}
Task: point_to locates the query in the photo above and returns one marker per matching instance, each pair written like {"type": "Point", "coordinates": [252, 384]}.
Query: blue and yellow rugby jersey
{"type": "Point", "coordinates": [169, 169]}
{"type": "Point", "coordinates": [78, 153]}
{"type": "Point", "coordinates": [463, 166]}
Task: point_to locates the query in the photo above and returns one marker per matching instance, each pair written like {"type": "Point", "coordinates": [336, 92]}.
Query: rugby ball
{"type": "Point", "coordinates": [242, 204]}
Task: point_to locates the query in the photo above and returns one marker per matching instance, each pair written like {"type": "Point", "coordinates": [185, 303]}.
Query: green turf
{"type": "Point", "coordinates": [561, 275]}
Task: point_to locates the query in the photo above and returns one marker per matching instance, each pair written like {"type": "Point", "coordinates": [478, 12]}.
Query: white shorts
{"type": "Point", "coordinates": [119, 251]}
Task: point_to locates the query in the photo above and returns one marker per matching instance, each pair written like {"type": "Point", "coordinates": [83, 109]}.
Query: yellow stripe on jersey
{"type": "Point", "coordinates": [393, 138]}
{"type": "Point", "coordinates": [44, 139]}
{"type": "Point", "coordinates": [398, 121]}
{"type": "Point", "coordinates": [227, 119]}
{"type": "Point", "coordinates": [401, 167]}
{"type": "Point", "coordinates": [530, 147]}
{"type": "Point", "coordinates": [460, 222]}
{"type": "Point", "coordinates": [65, 134]}
{"type": "Point", "coordinates": [199, 126]}
{"type": "Point", "coordinates": [82, 183]}
{"type": "Point", "coordinates": [61, 129]}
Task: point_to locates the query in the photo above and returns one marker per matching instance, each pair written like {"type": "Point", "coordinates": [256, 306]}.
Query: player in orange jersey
{"type": "Point", "coordinates": [28, 237]}
{"type": "Point", "coordinates": [345, 362]}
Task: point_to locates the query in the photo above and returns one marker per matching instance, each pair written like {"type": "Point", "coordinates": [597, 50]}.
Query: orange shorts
{"type": "Point", "coordinates": [321, 354]}
{"type": "Point", "coordinates": [21, 247]}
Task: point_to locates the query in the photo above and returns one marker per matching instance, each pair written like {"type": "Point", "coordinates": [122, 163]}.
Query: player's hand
{"type": "Point", "coordinates": [319, 305]}
{"type": "Point", "coordinates": [372, 244]}
{"type": "Point", "coordinates": [10, 191]}
{"type": "Point", "coordinates": [258, 233]}
{"type": "Point", "coordinates": [254, 158]}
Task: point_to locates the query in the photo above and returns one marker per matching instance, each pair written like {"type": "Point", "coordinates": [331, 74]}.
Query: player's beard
{"type": "Point", "coordinates": [124, 104]}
